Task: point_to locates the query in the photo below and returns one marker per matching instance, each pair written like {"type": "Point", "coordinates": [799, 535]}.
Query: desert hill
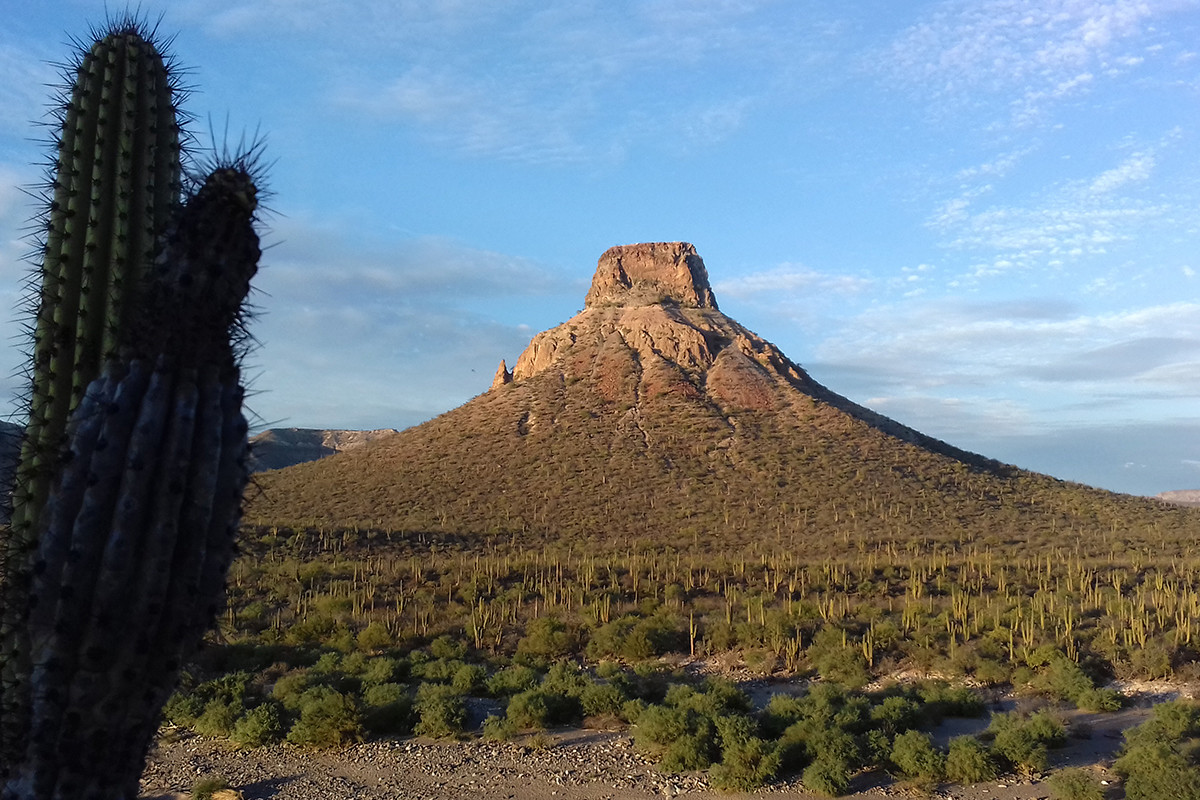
{"type": "Point", "coordinates": [652, 417]}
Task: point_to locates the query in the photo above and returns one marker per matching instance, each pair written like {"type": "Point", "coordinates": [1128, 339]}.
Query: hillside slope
{"type": "Point", "coordinates": [651, 416]}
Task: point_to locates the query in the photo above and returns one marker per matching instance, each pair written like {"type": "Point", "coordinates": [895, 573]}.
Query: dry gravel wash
{"type": "Point", "coordinates": [570, 765]}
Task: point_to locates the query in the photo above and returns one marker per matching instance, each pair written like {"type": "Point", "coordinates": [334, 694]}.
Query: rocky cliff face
{"type": "Point", "coordinates": [651, 326]}
{"type": "Point", "coordinates": [651, 273]}
{"type": "Point", "coordinates": [285, 447]}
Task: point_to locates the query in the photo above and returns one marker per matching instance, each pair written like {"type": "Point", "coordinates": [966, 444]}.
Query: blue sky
{"type": "Point", "coordinates": [981, 218]}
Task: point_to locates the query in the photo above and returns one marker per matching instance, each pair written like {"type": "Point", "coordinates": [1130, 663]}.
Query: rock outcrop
{"type": "Point", "coordinates": [503, 375]}
{"type": "Point", "coordinates": [654, 272]}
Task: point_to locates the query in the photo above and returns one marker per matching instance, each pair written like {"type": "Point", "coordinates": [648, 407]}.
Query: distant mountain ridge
{"type": "Point", "coordinates": [285, 447]}
{"type": "Point", "coordinates": [652, 415]}
{"type": "Point", "coordinates": [1183, 497]}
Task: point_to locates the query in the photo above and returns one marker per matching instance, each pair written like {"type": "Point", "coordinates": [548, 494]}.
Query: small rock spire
{"type": "Point", "coordinates": [503, 375]}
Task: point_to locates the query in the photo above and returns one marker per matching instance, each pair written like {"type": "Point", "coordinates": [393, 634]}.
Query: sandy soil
{"type": "Point", "coordinates": [569, 765]}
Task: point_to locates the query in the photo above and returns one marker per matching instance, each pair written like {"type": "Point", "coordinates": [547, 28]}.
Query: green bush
{"type": "Point", "coordinates": [260, 726]}
{"type": "Point", "coordinates": [1075, 784]}
{"type": "Point", "coordinates": [598, 699]}
{"type": "Point", "coordinates": [512, 680]}
{"type": "Point", "coordinates": [441, 712]}
{"type": "Point", "coordinates": [940, 699]}
{"type": "Point", "coordinates": [781, 711]}
{"type": "Point", "coordinates": [896, 714]}
{"type": "Point", "coordinates": [328, 718]}
{"type": "Point", "coordinates": [375, 638]}
{"type": "Point", "coordinates": [547, 638]}
{"type": "Point", "coordinates": [1161, 757]}
{"type": "Point", "coordinates": [290, 687]}
{"type": "Point", "coordinates": [383, 669]}
{"type": "Point", "coordinates": [827, 775]}
{"type": "Point", "coordinates": [1099, 700]}
{"type": "Point", "coordinates": [914, 755]}
{"type": "Point", "coordinates": [1023, 742]}
{"type": "Point", "coordinates": [469, 679]}
{"type": "Point", "coordinates": [745, 765]}
{"type": "Point", "coordinates": [680, 738]}
{"type": "Point", "coordinates": [205, 788]}
{"type": "Point", "coordinates": [219, 718]}
{"type": "Point", "coordinates": [388, 709]}
{"type": "Point", "coordinates": [539, 708]}
{"type": "Point", "coordinates": [969, 761]}
{"type": "Point", "coordinates": [447, 648]}
{"type": "Point", "coordinates": [499, 729]}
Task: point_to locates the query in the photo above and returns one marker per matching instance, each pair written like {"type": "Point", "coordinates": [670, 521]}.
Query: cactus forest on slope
{"type": "Point", "coordinates": [129, 487]}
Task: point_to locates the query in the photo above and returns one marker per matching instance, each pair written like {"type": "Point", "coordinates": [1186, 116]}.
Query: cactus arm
{"type": "Point", "coordinates": [140, 552]}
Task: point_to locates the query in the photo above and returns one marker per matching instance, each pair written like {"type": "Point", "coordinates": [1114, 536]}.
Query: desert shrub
{"type": "Point", "coordinates": [914, 755]}
{"type": "Point", "coordinates": [1093, 699]}
{"type": "Point", "coordinates": [896, 714]}
{"type": "Point", "coordinates": [1023, 742]}
{"type": "Point", "coordinates": [1152, 662]}
{"type": "Point", "coordinates": [598, 699]}
{"type": "Point", "coordinates": [844, 665]}
{"type": "Point", "coordinates": [260, 726]}
{"type": "Point", "coordinates": [1075, 784]}
{"type": "Point", "coordinates": [498, 729]}
{"type": "Point", "coordinates": [469, 678]}
{"type": "Point", "coordinates": [680, 738]}
{"type": "Point", "coordinates": [631, 710]}
{"type": "Point", "coordinates": [539, 708]}
{"type": "Point", "coordinates": [205, 788]}
{"type": "Point", "coordinates": [447, 648]}
{"type": "Point", "coordinates": [328, 718]}
{"type": "Point", "coordinates": [547, 638]}
{"type": "Point", "coordinates": [440, 670]}
{"type": "Point", "coordinates": [781, 711]}
{"type": "Point", "coordinates": [745, 765]}
{"type": "Point", "coordinates": [828, 776]}
{"type": "Point", "coordinates": [383, 669]}
{"type": "Point", "coordinates": [1063, 679]}
{"type": "Point", "coordinates": [512, 680]}
{"type": "Point", "coordinates": [637, 638]}
{"type": "Point", "coordinates": [290, 687]}
{"type": "Point", "coordinates": [222, 699]}
{"type": "Point", "coordinates": [566, 678]}
{"type": "Point", "coordinates": [314, 629]}
{"type": "Point", "coordinates": [441, 712]}
{"type": "Point", "coordinates": [375, 638]}
{"type": "Point", "coordinates": [219, 718]}
{"type": "Point", "coordinates": [1161, 757]}
{"type": "Point", "coordinates": [939, 699]}
{"type": "Point", "coordinates": [968, 760]}
{"type": "Point", "coordinates": [388, 709]}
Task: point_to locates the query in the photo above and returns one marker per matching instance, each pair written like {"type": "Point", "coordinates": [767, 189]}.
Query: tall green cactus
{"type": "Point", "coordinates": [116, 183]}
{"type": "Point", "coordinates": [126, 508]}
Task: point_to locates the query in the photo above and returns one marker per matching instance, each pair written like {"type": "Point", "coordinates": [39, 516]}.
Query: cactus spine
{"type": "Point", "coordinates": [126, 508]}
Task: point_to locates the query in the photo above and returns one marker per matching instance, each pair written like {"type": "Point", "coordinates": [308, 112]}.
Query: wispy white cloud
{"type": "Point", "coordinates": [520, 80]}
{"type": "Point", "coordinates": [966, 351]}
{"type": "Point", "coordinates": [1134, 169]}
{"type": "Point", "coordinates": [1035, 52]}
{"type": "Point", "coordinates": [791, 279]}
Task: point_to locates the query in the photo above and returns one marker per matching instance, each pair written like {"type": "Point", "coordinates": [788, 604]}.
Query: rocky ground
{"type": "Point", "coordinates": [564, 765]}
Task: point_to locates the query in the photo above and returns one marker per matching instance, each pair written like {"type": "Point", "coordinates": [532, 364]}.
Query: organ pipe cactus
{"type": "Point", "coordinates": [130, 509]}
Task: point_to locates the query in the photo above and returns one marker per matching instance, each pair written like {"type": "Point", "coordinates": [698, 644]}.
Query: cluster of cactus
{"type": "Point", "coordinates": [129, 487]}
